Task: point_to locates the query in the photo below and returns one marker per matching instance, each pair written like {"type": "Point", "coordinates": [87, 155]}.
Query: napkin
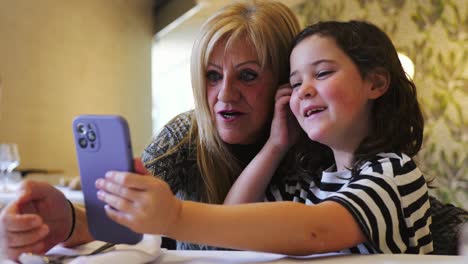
{"type": "Point", "coordinates": [147, 250]}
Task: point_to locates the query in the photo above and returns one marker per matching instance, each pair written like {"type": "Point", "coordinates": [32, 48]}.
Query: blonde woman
{"type": "Point", "coordinates": [238, 62]}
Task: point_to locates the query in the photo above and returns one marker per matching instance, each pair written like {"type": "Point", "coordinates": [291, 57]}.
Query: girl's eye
{"type": "Point", "coordinates": [323, 74]}
{"type": "Point", "coordinates": [213, 76]}
{"type": "Point", "coordinates": [247, 76]}
{"type": "Point", "coordinates": [295, 85]}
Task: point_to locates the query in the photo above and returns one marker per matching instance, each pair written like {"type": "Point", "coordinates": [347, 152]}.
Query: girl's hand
{"type": "Point", "coordinates": [143, 203]}
{"type": "Point", "coordinates": [284, 128]}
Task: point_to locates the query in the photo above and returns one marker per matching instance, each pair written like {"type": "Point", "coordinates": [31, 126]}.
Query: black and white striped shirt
{"type": "Point", "coordinates": [388, 199]}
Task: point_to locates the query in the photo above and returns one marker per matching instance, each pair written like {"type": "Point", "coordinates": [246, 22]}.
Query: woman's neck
{"type": "Point", "coordinates": [245, 153]}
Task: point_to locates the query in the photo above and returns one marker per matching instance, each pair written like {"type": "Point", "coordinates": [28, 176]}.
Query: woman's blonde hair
{"type": "Point", "coordinates": [270, 27]}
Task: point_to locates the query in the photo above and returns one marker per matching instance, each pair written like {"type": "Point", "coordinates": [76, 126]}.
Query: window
{"type": "Point", "coordinates": [171, 85]}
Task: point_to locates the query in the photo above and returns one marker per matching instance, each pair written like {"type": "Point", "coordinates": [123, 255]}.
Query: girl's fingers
{"type": "Point", "coordinates": [119, 203]}
{"type": "Point", "coordinates": [127, 192]}
{"type": "Point", "coordinates": [283, 92]}
{"type": "Point", "coordinates": [117, 189]}
{"type": "Point", "coordinates": [27, 238]}
{"type": "Point", "coordinates": [126, 219]}
{"type": "Point", "coordinates": [129, 180]}
{"type": "Point", "coordinates": [281, 106]}
{"type": "Point", "coordinates": [281, 102]}
{"type": "Point", "coordinates": [118, 216]}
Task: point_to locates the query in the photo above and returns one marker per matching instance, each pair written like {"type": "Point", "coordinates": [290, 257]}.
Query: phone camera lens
{"type": "Point", "coordinates": [81, 128]}
{"type": "Point", "coordinates": [91, 136]}
{"type": "Point", "coordinates": [83, 142]}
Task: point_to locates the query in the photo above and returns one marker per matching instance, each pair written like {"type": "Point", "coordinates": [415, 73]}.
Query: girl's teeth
{"type": "Point", "coordinates": [312, 111]}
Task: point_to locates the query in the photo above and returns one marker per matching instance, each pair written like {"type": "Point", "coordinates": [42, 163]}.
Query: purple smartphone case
{"type": "Point", "coordinates": [108, 149]}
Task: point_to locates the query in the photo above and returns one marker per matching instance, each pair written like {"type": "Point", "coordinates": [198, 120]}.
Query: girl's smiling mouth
{"type": "Point", "coordinates": [309, 111]}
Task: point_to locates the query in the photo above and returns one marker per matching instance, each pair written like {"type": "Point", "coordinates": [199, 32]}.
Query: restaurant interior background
{"type": "Point", "coordinates": [59, 59]}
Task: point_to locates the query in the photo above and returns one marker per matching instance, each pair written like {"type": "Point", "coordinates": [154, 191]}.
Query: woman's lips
{"type": "Point", "coordinates": [230, 116]}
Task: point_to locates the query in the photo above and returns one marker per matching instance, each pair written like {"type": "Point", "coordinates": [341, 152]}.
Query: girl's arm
{"type": "Point", "coordinates": [251, 184]}
{"type": "Point", "coordinates": [280, 227]}
{"type": "Point", "coordinates": [146, 205]}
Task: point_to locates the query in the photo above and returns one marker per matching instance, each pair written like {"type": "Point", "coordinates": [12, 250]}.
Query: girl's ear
{"type": "Point", "coordinates": [380, 81]}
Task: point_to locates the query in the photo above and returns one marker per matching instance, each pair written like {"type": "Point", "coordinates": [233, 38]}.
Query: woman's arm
{"type": "Point", "coordinates": [80, 231]}
{"type": "Point", "coordinates": [250, 186]}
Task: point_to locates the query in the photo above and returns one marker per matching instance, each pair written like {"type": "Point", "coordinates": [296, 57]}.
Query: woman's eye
{"type": "Point", "coordinates": [323, 74]}
{"type": "Point", "coordinates": [247, 76]}
{"type": "Point", "coordinates": [213, 76]}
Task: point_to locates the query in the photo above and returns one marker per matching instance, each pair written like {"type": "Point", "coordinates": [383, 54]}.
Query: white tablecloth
{"type": "Point", "coordinates": [232, 257]}
{"type": "Point", "coordinates": [149, 250]}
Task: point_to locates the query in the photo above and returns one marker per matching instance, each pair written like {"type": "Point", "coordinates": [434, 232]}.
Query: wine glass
{"type": "Point", "coordinates": [9, 160]}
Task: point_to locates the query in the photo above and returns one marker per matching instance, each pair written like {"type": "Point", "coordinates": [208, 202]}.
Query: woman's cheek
{"type": "Point", "coordinates": [212, 96]}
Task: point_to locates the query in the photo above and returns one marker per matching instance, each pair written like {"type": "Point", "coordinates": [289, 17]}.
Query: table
{"type": "Point", "coordinates": [148, 251]}
{"type": "Point", "coordinates": [232, 257]}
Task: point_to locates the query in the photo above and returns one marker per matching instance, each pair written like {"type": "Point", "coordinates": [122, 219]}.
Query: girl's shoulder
{"type": "Point", "coordinates": [390, 164]}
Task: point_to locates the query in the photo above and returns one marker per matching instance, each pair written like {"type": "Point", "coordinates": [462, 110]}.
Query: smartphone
{"type": "Point", "coordinates": [102, 144]}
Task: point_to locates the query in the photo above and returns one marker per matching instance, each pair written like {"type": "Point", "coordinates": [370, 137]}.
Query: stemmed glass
{"type": "Point", "coordinates": [9, 160]}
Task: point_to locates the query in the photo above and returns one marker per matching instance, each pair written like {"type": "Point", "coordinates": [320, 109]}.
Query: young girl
{"type": "Point", "coordinates": [348, 91]}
